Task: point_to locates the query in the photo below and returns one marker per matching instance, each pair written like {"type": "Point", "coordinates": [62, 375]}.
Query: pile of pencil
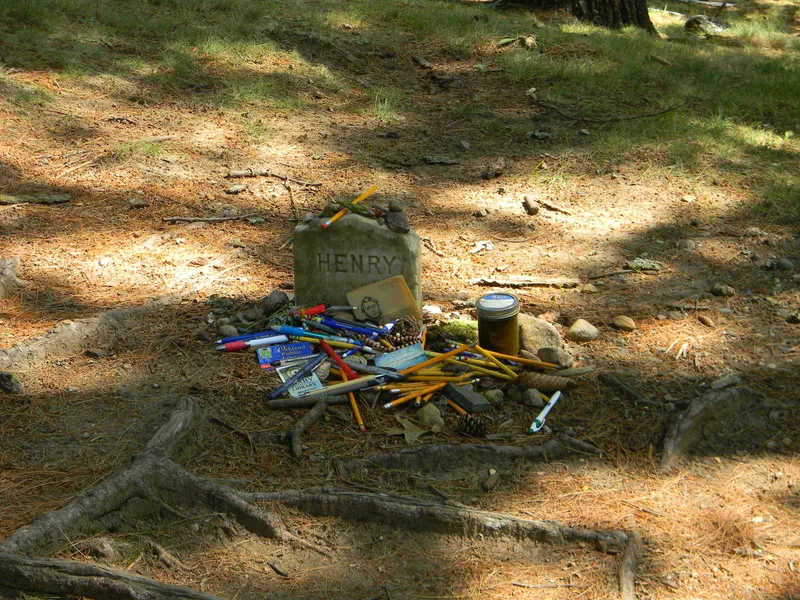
{"type": "Point", "coordinates": [328, 337]}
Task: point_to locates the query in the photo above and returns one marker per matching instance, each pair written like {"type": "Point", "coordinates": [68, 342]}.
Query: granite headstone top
{"type": "Point", "coordinates": [353, 252]}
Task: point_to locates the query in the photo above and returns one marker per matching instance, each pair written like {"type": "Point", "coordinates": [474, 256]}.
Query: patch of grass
{"type": "Point", "coordinates": [385, 104]}
{"type": "Point", "coordinates": [131, 150]}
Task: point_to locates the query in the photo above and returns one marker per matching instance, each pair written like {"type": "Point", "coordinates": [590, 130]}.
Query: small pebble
{"type": "Point", "coordinates": [784, 264]}
{"type": "Point", "coordinates": [720, 289]}
{"type": "Point", "coordinates": [588, 288]}
{"type": "Point", "coordinates": [228, 331]}
{"type": "Point", "coordinates": [688, 198]}
{"type": "Point", "coordinates": [675, 315]}
{"type": "Point", "coordinates": [771, 445]}
{"type": "Point", "coordinates": [786, 441]}
{"type": "Point", "coordinates": [480, 213]}
{"type": "Point", "coordinates": [532, 399]}
{"type": "Point", "coordinates": [624, 323]}
{"type": "Point", "coordinates": [705, 320]}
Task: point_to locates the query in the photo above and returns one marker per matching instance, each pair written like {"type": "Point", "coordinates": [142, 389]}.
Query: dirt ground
{"type": "Point", "coordinates": [723, 525]}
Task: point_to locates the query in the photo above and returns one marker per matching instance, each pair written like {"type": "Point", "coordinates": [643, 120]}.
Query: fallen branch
{"type": "Point", "coordinates": [611, 274]}
{"type": "Point", "coordinates": [552, 207]}
{"type": "Point", "coordinates": [268, 173]}
{"type": "Point", "coordinates": [12, 200]}
{"type": "Point", "coordinates": [428, 243]}
{"type": "Point", "coordinates": [73, 578]}
{"type": "Point", "coordinates": [305, 402]}
{"type": "Point", "coordinates": [207, 219]}
{"type": "Point", "coordinates": [423, 515]}
{"type": "Point", "coordinates": [444, 456]}
{"type": "Point", "coordinates": [568, 117]}
{"type": "Point", "coordinates": [687, 428]}
{"type": "Point", "coordinates": [630, 393]}
{"type": "Point", "coordinates": [627, 567]}
{"type": "Point", "coordinates": [547, 586]}
{"type": "Point", "coordinates": [526, 282]}
{"type": "Point", "coordinates": [292, 435]}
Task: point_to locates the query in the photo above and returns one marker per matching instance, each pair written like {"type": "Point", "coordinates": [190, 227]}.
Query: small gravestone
{"type": "Point", "coordinates": [353, 252]}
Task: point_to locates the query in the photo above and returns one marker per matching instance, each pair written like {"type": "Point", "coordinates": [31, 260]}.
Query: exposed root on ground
{"type": "Point", "coordinates": [156, 477]}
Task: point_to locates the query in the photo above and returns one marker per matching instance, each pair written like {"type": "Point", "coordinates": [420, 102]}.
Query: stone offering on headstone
{"type": "Point", "coordinates": [353, 252]}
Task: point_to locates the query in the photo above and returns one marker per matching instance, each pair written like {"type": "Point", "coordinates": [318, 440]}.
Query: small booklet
{"type": "Point", "coordinates": [285, 353]}
{"type": "Point", "coordinates": [304, 386]}
{"type": "Point", "coordinates": [384, 301]}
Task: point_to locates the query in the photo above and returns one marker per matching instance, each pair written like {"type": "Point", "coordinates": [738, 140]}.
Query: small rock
{"type": "Point", "coordinates": [253, 314]}
{"type": "Point", "coordinates": [583, 132]}
{"type": "Point", "coordinates": [555, 356]}
{"type": "Point", "coordinates": [422, 62]}
{"type": "Point", "coordinates": [203, 336]}
{"type": "Point", "coordinates": [793, 319]}
{"type": "Point", "coordinates": [495, 169]}
{"type": "Point", "coordinates": [532, 398]}
{"type": "Point", "coordinates": [725, 381]}
{"type": "Point", "coordinates": [495, 397]}
{"type": "Point", "coordinates": [771, 445]}
{"type": "Point", "coordinates": [430, 415]}
{"type": "Point", "coordinates": [754, 232]}
{"type": "Point", "coordinates": [582, 331]}
{"type": "Point", "coordinates": [169, 159]}
{"type": "Point", "coordinates": [135, 202]}
{"type": "Point", "coordinates": [720, 289]}
{"type": "Point", "coordinates": [491, 481]}
{"type": "Point", "coordinates": [272, 303]}
{"type": "Point", "coordinates": [397, 222]}
{"type": "Point", "coordinates": [588, 288]}
{"type": "Point", "coordinates": [784, 264]}
{"type": "Point", "coordinates": [395, 206]}
{"type": "Point", "coordinates": [155, 386]}
{"type": "Point", "coordinates": [237, 189]}
{"type": "Point", "coordinates": [675, 315]}
{"type": "Point", "coordinates": [624, 323]}
{"type": "Point", "coordinates": [514, 394]}
{"type": "Point", "coordinates": [228, 331]}
{"type": "Point", "coordinates": [688, 198]}
{"type": "Point", "coordinates": [540, 135]}
{"type": "Point", "coordinates": [480, 213]}
{"type": "Point", "coordinates": [465, 145]}
{"type": "Point", "coordinates": [9, 383]}
{"type": "Point", "coordinates": [324, 370]}
{"type": "Point", "coordinates": [687, 245]}
{"type": "Point", "coordinates": [705, 320]}
{"type": "Point", "coordinates": [236, 243]}
{"type": "Point", "coordinates": [536, 333]}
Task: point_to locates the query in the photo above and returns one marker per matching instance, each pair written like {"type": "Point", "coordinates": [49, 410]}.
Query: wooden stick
{"type": "Point", "coordinates": [268, 173]}
{"type": "Point", "coordinates": [206, 219]}
{"type": "Point", "coordinates": [292, 435]}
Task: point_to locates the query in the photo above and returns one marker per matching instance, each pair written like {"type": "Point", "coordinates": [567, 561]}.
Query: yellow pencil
{"type": "Point", "coordinates": [436, 359]}
{"type": "Point", "coordinates": [497, 363]}
{"type": "Point", "coordinates": [434, 378]}
{"type": "Point", "coordinates": [414, 394]}
{"type": "Point", "coordinates": [457, 408]}
{"type": "Point", "coordinates": [354, 406]}
{"type": "Point", "coordinates": [422, 400]}
{"type": "Point", "coordinates": [344, 211]}
{"type": "Point", "coordinates": [523, 361]}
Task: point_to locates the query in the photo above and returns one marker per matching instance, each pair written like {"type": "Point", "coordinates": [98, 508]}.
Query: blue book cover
{"type": "Point", "coordinates": [283, 352]}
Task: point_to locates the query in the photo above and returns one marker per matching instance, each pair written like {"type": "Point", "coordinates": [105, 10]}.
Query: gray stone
{"type": "Point", "coordinates": [480, 213]}
{"type": "Point", "coordinates": [397, 221]}
{"type": "Point", "coordinates": [253, 314]}
{"type": "Point", "coordinates": [624, 323]}
{"type": "Point", "coordinates": [228, 331]}
{"type": "Point", "coordinates": [582, 331]}
{"type": "Point", "coordinates": [9, 282]}
{"type": "Point", "coordinates": [675, 315]}
{"type": "Point", "coordinates": [237, 188]}
{"type": "Point", "coordinates": [355, 251]}
{"type": "Point", "coordinates": [687, 245]}
{"type": "Point", "coordinates": [395, 206]}
{"type": "Point", "coordinates": [588, 288]}
{"type": "Point", "coordinates": [467, 398]}
{"type": "Point", "coordinates": [532, 398]}
{"type": "Point", "coordinates": [272, 303]}
{"type": "Point", "coordinates": [725, 381]}
{"type": "Point", "coordinates": [771, 445]}
{"type": "Point", "coordinates": [555, 356]}
{"type": "Point", "coordinates": [7, 199]}
{"type": "Point", "coordinates": [515, 394]}
{"type": "Point", "coordinates": [495, 397]}
{"type": "Point", "coordinates": [719, 289]}
{"type": "Point", "coordinates": [9, 384]}
{"type": "Point", "coordinates": [784, 264]}
{"type": "Point", "coordinates": [430, 415]}
{"type": "Point", "coordinates": [536, 333]}
{"type": "Point", "coordinates": [135, 202]}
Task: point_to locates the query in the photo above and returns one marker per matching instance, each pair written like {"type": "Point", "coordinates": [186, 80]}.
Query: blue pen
{"type": "Point", "coordinates": [320, 327]}
{"type": "Point", "coordinates": [346, 326]}
{"type": "Point", "coordinates": [246, 336]}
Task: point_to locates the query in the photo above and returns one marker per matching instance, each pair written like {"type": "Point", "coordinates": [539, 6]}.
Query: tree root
{"type": "Point", "coordinates": [56, 576]}
{"type": "Point", "coordinates": [292, 435]}
{"type": "Point", "coordinates": [686, 430]}
{"type": "Point", "coordinates": [421, 458]}
{"type": "Point", "coordinates": [423, 515]}
{"type": "Point", "coordinates": [627, 567]}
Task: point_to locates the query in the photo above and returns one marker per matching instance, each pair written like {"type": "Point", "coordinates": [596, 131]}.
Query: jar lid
{"type": "Point", "coordinates": [497, 306]}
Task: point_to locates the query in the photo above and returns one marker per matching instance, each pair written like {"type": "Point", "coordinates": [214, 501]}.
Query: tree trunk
{"type": "Point", "coordinates": [606, 13]}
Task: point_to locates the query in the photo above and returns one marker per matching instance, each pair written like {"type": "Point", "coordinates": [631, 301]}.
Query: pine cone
{"type": "Point", "coordinates": [472, 426]}
{"type": "Point", "coordinates": [545, 383]}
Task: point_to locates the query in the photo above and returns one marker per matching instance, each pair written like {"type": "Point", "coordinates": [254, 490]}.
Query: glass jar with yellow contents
{"type": "Point", "coordinates": [498, 323]}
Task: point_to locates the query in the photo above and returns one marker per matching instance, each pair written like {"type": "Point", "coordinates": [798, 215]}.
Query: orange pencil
{"type": "Point", "coordinates": [414, 394]}
{"type": "Point", "coordinates": [436, 359]}
{"type": "Point", "coordinates": [354, 406]}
